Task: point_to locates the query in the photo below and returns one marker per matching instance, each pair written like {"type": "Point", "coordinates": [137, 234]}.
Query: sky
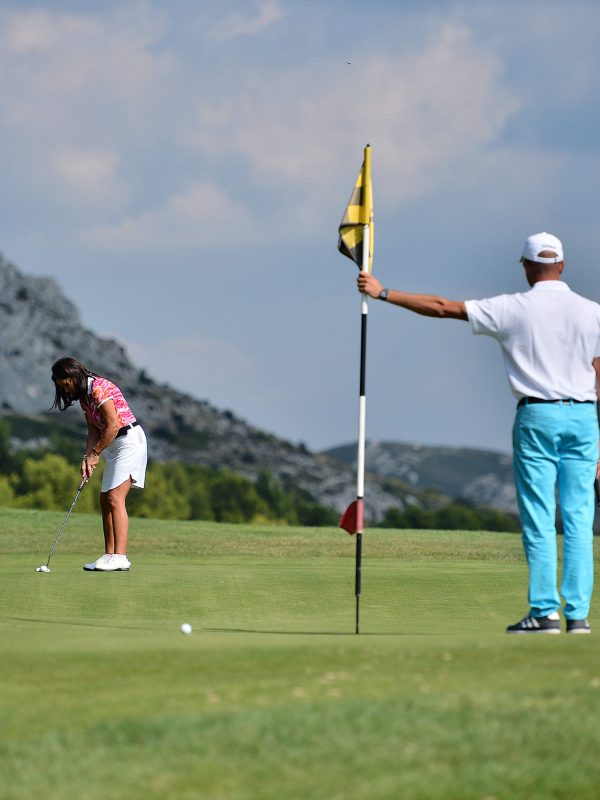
{"type": "Point", "coordinates": [181, 168]}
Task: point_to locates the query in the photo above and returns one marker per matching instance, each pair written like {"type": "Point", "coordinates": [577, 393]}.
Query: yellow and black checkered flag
{"type": "Point", "coordinates": [359, 212]}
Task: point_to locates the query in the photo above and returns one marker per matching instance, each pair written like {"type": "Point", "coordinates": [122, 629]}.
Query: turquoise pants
{"type": "Point", "coordinates": [556, 444]}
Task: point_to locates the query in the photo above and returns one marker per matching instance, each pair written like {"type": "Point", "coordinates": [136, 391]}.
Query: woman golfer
{"type": "Point", "coordinates": [114, 432]}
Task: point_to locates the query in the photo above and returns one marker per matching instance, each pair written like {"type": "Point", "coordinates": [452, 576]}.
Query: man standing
{"type": "Point", "coordinates": [550, 340]}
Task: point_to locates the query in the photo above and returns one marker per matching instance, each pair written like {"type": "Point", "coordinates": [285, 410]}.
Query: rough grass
{"type": "Point", "coordinates": [273, 695]}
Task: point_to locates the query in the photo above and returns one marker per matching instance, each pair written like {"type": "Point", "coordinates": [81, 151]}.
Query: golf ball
{"type": "Point", "coordinates": [43, 568]}
{"type": "Point", "coordinates": [186, 628]}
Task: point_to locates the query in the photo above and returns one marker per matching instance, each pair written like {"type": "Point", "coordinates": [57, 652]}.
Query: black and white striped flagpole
{"type": "Point", "coordinates": [362, 418]}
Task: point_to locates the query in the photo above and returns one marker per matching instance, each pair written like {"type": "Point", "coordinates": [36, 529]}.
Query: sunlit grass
{"type": "Point", "coordinates": [273, 695]}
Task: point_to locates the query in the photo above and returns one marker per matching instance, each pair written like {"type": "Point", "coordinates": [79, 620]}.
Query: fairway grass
{"type": "Point", "coordinates": [273, 695]}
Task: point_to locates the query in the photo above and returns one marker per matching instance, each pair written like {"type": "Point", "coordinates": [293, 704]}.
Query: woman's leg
{"type": "Point", "coordinates": [107, 525]}
{"type": "Point", "coordinates": [114, 518]}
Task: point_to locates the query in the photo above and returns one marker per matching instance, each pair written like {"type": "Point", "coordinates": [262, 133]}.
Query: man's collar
{"type": "Point", "coordinates": [551, 286]}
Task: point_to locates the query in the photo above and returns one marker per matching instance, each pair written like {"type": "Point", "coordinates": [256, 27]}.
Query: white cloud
{"type": "Point", "coordinates": [296, 137]}
{"type": "Point", "coordinates": [421, 113]}
{"type": "Point", "coordinates": [80, 91]}
{"type": "Point", "coordinates": [54, 67]}
{"type": "Point", "coordinates": [86, 168]}
{"type": "Point", "coordinates": [92, 176]}
{"type": "Point", "coordinates": [30, 32]}
{"type": "Point", "coordinates": [233, 26]}
{"type": "Point", "coordinates": [200, 214]}
{"type": "Point", "coordinates": [102, 101]}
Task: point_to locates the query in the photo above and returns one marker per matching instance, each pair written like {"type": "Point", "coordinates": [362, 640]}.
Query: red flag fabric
{"type": "Point", "coordinates": [352, 518]}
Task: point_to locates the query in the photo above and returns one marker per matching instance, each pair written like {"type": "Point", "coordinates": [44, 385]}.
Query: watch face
{"type": "Point", "coordinates": [383, 294]}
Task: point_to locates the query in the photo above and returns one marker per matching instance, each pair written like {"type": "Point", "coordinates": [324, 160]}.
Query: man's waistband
{"type": "Point", "coordinates": [526, 401]}
{"type": "Point", "coordinates": [125, 428]}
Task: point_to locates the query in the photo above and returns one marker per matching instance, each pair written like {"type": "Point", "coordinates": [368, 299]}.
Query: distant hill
{"type": "Point", "coordinates": [38, 325]}
{"type": "Point", "coordinates": [479, 477]}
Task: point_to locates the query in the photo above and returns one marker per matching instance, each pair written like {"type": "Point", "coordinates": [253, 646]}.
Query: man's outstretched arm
{"type": "Point", "coordinates": [428, 305]}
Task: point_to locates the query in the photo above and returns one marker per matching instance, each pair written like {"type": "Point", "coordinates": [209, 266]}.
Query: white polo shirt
{"type": "Point", "coordinates": [549, 337]}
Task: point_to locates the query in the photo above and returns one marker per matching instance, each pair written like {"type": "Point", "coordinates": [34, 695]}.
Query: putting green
{"type": "Point", "coordinates": [272, 694]}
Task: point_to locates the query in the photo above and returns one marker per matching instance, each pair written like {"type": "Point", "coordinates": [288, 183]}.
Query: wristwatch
{"type": "Point", "coordinates": [382, 294]}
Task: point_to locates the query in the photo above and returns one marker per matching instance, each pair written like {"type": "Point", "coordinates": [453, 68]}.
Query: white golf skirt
{"type": "Point", "coordinates": [126, 457]}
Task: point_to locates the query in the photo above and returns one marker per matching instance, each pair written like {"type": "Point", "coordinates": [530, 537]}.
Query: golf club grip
{"type": "Point", "coordinates": [76, 498]}
{"type": "Point", "coordinates": [597, 491]}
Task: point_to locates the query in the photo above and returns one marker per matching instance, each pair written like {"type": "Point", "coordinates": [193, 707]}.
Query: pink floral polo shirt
{"type": "Point", "coordinates": [99, 391]}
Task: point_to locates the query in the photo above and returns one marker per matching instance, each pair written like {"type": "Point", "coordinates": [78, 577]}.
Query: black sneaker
{"type": "Point", "coordinates": [549, 624]}
{"type": "Point", "coordinates": [578, 626]}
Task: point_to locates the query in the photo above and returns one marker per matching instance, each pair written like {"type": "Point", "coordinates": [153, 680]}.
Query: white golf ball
{"type": "Point", "coordinates": [186, 628]}
{"type": "Point", "coordinates": [43, 568]}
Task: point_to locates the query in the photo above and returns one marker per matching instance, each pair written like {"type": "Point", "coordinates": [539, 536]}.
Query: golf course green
{"type": "Point", "coordinates": [273, 695]}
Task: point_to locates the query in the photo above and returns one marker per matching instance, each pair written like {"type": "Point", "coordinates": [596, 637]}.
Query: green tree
{"type": "Point", "coordinates": [234, 498]}
{"type": "Point", "coordinates": [7, 494]}
{"type": "Point", "coordinates": [7, 460]}
{"type": "Point", "coordinates": [458, 517]}
{"type": "Point", "coordinates": [49, 482]}
{"type": "Point", "coordinates": [412, 517]}
{"type": "Point", "coordinates": [494, 520]}
{"type": "Point", "coordinates": [454, 516]}
{"type": "Point", "coordinates": [166, 493]}
{"type": "Point", "coordinates": [280, 503]}
{"type": "Point", "coordinates": [316, 515]}
{"type": "Point", "coordinates": [200, 505]}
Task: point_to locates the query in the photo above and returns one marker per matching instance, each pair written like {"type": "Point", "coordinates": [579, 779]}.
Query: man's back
{"type": "Point", "coordinates": [549, 338]}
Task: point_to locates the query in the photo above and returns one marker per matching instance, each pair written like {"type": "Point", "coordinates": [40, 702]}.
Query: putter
{"type": "Point", "coordinates": [44, 567]}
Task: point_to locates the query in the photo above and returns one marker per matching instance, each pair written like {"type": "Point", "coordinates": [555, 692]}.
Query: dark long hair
{"type": "Point", "coordinates": [70, 368]}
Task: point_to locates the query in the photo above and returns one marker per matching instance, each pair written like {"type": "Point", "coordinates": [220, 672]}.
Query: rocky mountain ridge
{"type": "Point", "coordinates": [478, 477]}
{"type": "Point", "coordinates": [38, 325]}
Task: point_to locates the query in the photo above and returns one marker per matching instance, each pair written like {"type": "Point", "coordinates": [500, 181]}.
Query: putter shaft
{"type": "Point", "coordinates": [66, 519]}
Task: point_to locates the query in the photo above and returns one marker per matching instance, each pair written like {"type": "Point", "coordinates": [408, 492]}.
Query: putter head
{"type": "Point", "coordinates": [43, 568]}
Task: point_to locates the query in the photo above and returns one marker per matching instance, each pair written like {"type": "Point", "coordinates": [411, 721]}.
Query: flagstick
{"type": "Point", "coordinates": [357, 219]}
{"type": "Point", "coordinates": [362, 417]}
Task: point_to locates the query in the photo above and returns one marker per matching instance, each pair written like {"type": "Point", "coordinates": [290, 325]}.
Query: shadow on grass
{"type": "Point", "coordinates": [71, 623]}
{"type": "Point", "coordinates": [74, 624]}
{"type": "Point", "coordinates": [314, 633]}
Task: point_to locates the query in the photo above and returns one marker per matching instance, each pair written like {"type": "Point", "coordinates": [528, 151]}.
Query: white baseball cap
{"type": "Point", "coordinates": [538, 243]}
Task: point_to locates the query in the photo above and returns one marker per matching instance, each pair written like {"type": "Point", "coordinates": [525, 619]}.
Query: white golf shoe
{"type": "Point", "coordinates": [109, 562]}
{"type": "Point", "coordinates": [114, 563]}
{"type": "Point", "coordinates": [97, 563]}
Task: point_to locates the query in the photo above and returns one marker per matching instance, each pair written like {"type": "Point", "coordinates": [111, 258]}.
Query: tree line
{"type": "Point", "coordinates": [46, 477]}
{"type": "Point", "coordinates": [454, 516]}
